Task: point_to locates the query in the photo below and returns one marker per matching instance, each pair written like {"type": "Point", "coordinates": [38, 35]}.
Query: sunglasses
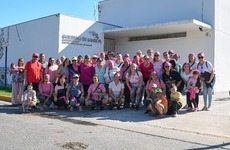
{"type": "Point", "coordinates": [166, 66]}
{"type": "Point", "coordinates": [35, 56]}
{"type": "Point", "coordinates": [200, 57]}
{"type": "Point", "coordinates": [156, 55]}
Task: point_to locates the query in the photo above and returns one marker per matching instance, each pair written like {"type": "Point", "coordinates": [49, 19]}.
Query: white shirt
{"type": "Point", "coordinates": [116, 89]}
{"type": "Point", "coordinates": [134, 79]}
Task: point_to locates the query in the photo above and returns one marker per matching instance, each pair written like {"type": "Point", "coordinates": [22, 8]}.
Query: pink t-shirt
{"type": "Point", "coordinates": [86, 74]}
{"type": "Point", "coordinates": [134, 79]}
{"type": "Point", "coordinates": [92, 88]}
{"type": "Point", "coordinates": [160, 84]}
{"type": "Point", "coordinates": [46, 88]}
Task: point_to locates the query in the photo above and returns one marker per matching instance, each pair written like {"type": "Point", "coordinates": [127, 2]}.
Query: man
{"type": "Point", "coordinates": [43, 62]}
{"type": "Point", "coordinates": [33, 72]}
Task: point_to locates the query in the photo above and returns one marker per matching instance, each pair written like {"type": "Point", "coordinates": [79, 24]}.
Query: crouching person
{"type": "Point", "coordinates": [30, 98]}
{"type": "Point", "coordinates": [159, 104]}
{"type": "Point", "coordinates": [60, 99]}
{"type": "Point", "coordinates": [175, 103]}
{"type": "Point", "coordinates": [45, 95]}
{"type": "Point", "coordinates": [116, 92]}
{"type": "Point", "coordinates": [74, 94]}
{"type": "Point", "coordinates": [96, 94]}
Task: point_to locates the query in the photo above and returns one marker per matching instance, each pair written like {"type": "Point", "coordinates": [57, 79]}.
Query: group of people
{"type": "Point", "coordinates": [113, 81]}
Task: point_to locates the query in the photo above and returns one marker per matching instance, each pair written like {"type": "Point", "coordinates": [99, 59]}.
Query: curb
{"type": "Point", "coordinates": [5, 98]}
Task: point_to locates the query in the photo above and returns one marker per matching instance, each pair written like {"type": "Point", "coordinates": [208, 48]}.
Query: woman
{"type": "Point", "coordinates": [94, 60]}
{"type": "Point", "coordinates": [134, 81]}
{"type": "Point", "coordinates": [170, 76]}
{"type": "Point", "coordinates": [51, 70]}
{"type": "Point", "coordinates": [96, 94]}
{"type": "Point", "coordinates": [136, 60]}
{"type": "Point", "coordinates": [60, 99]}
{"type": "Point", "coordinates": [100, 70]}
{"type": "Point", "coordinates": [124, 70]}
{"type": "Point", "coordinates": [154, 80]}
{"type": "Point", "coordinates": [79, 60]}
{"type": "Point", "coordinates": [192, 61]}
{"type": "Point", "coordinates": [139, 54]}
{"type": "Point", "coordinates": [208, 77]}
{"type": "Point", "coordinates": [119, 61]}
{"type": "Point", "coordinates": [159, 105]}
{"type": "Point", "coordinates": [146, 68]}
{"type": "Point", "coordinates": [73, 68]}
{"type": "Point", "coordinates": [64, 70]}
{"type": "Point", "coordinates": [157, 62]}
{"type": "Point", "coordinates": [110, 72]}
{"type": "Point", "coordinates": [18, 83]}
{"type": "Point", "coordinates": [86, 73]}
{"type": "Point", "coordinates": [116, 92]}
{"type": "Point", "coordinates": [75, 93]}
{"type": "Point", "coordinates": [45, 94]}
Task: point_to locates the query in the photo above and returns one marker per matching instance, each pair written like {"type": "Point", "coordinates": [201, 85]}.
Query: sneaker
{"type": "Point", "coordinates": [209, 109]}
{"type": "Point", "coordinates": [195, 109]}
{"type": "Point", "coordinates": [189, 109]}
{"type": "Point", "coordinates": [174, 114]}
{"type": "Point", "coordinates": [80, 109]}
{"type": "Point", "coordinates": [71, 109]}
{"type": "Point", "coordinates": [118, 107]}
{"type": "Point", "coordinates": [52, 106]}
{"type": "Point", "coordinates": [204, 108]}
{"type": "Point", "coordinates": [41, 108]}
{"type": "Point", "coordinates": [147, 111]}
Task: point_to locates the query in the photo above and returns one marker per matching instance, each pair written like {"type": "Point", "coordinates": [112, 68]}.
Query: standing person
{"type": "Point", "coordinates": [124, 70]}
{"type": "Point", "coordinates": [146, 68]}
{"type": "Point", "coordinates": [119, 61]}
{"type": "Point", "coordinates": [96, 94]}
{"type": "Point", "coordinates": [170, 76]}
{"type": "Point", "coordinates": [45, 94]}
{"type": "Point", "coordinates": [51, 70]}
{"type": "Point", "coordinates": [100, 70]}
{"type": "Point", "coordinates": [20, 80]}
{"type": "Point", "coordinates": [13, 72]}
{"type": "Point", "coordinates": [168, 59]}
{"type": "Point", "coordinates": [63, 59]}
{"type": "Point", "coordinates": [175, 101]}
{"type": "Point", "coordinates": [208, 77]}
{"type": "Point", "coordinates": [176, 57]}
{"type": "Point", "coordinates": [141, 58]}
{"type": "Point", "coordinates": [86, 73]}
{"type": "Point", "coordinates": [134, 81]}
{"type": "Point", "coordinates": [116, 92]}
{"type": "Point", "coordinates": [73, 68]}
{"type": "Point", "coordinates": [150, 54]}
{"type": "Point", "coordinates": [102, 56]}
{"type": "Point", "coordinates": [158, 64]}
{"type": "Point", "coordinates": [60, 99]}
{"type": "Point", "coordinates": [136, 60]}
{"type": "Point", "coordinates": [194, 85]}
{"type": "Point", "coordinates": [33, 72]}
{"type": "Point", "coordinates": [185, 74]}
{"type": "Point", "coordinates": [94, 60]}
{"type": "Point", "coordinates": [42, 60]}
{"type": "Point", "coordinates": [75, 92]}
{"type": "Point", "coordinates": [110, 72]}
{"type": "Point", "coordinates": [64, 70]}
{"type": "Point", "coordinates": [58, 62]}
{"type": "Point", "coordinates": [79, 60]}
{"type": "Point", "coordinates": [30, 98]}
{"type": "Point", "coordinates": [192, 61]}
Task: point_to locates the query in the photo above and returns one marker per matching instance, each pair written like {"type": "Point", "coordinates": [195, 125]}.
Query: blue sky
{"type": "Point", "coordinates": [17, 11]}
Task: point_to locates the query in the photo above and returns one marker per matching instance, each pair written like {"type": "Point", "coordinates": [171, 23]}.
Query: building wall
{"type": "Point", "coordinates": [222, 44]}
{"type": "Point", "coordinates": [131, 13]}
{"type": "Point", "coordinates": [80, 37]}
{"type": "Point", "coordinates": [40, 35]}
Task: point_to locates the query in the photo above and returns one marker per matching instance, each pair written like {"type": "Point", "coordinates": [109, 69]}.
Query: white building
{"type": "Point", "coordinates": [125, 26]}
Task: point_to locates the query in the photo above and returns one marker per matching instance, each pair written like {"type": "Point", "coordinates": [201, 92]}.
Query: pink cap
{"type": "Point", "coordinates": [171, 52]}
{"type": "Point", "coordinates": [35, 54]}
{"type": "Point", "coordinates": [109, 62]}
{"type": "Point", "coordinates": [126, 59]}
{"type": "Point", "coordinates": [158, 53]}
{"type": "Point", "coordinates": [195, 71]}
{"type": "Point", "coordinates": [154, 73]}
{"type": "Point", "coordinates": [47, 76]}
{"type": "Point", "coordinates": [167, 64]}
{"type": "Point", "coordinates": [201, 54]}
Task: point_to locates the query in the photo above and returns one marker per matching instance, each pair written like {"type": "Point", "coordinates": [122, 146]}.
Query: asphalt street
{"type": "Point", "coordinates": [116, 129]}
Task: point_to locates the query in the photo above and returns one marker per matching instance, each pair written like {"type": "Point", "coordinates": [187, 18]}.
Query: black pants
{"type": "Point", "coordinates": [145, 81]}
{"type": "Point", "coordinates": [195, 101]}
{"type": "Point", "coordinates": [127, 95]}
{"type": "Point", "coordinates": [174, 107]}
{"type": "Point", "coordinates": [85, 87]}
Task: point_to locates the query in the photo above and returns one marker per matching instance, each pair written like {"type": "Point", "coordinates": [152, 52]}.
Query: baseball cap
{"type": "Point", "coordinates": [158, 90]}
{"type": "Point", "coordinates": [109, 62]}
{"type": "Point", "coordinates": [35, 54]}
{"type": "Point", "coordinates": [94, 56]}
{"type": "Point", "coordinates": [167, 64]}
{"type": "Point", "coordinates": [171, 52]}
{"type": "Point", "coordinates": [74, 58]}
{"type": "Point", "coordinates": [75, 76]}
{"type": "Point", "coordinates": [201, 54]}
{"type": "Point", "coordinates": [195, 71]}
{"type": "Point", "coordinates": [87, 56]}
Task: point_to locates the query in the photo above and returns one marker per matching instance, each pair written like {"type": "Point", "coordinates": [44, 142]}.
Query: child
{"type": "Point", "coordinates": [193, 85]}
{"type": "Point", "coordinates": [30, 99]}
{"type": "Point", "coordinates": [159, 105]}
{"type": "Point", "coordinates": [14, 72]}
{"type": "Point", "coordinates": [150, 96]}
{"type": "Point", "coordinates": [175, 102]}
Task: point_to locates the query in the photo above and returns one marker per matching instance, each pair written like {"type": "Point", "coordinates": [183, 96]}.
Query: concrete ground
{"type": "Point", "coordinates": [210, 128]}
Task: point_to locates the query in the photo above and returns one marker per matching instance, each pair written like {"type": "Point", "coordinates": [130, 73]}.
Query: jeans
{"type": "Point", "coordinates": [207, 93]}
{"type": "Point", "coordinates": [134, 97]}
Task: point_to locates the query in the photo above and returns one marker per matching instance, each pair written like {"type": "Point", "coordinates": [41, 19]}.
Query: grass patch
{"type": "Point", "coordinates": [5, 92]}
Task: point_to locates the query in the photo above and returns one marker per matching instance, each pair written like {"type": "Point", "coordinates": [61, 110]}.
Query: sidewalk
{"type": "Point", "coordinates": [214, 123]}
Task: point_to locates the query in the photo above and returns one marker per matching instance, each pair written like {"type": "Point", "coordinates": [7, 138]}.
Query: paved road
{"type": "Point", "coordinates": [123, 129]}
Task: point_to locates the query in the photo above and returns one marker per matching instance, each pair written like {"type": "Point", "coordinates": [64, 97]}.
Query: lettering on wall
{"type": "Point", "coordinates": [82, 40]}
